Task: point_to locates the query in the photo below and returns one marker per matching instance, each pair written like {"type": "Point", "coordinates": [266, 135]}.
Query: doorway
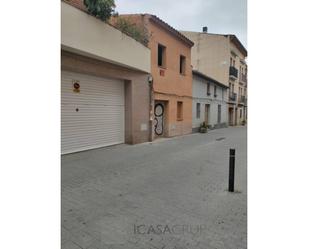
{"type": "Point", "coordinates": [159, 120]}
{"type": "Point", "coordinates": [219, 115]}
{"type": "Point", "coordinates": [207, 109]}
{"type": "Point", "coordinates": [231, 116]}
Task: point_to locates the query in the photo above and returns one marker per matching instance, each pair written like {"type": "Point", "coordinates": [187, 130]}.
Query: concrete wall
{"type": "Point", "coordinates": [210, 55]}
{"type": "Point", "coordinates": [137, 115]}
{"type": "Point", "coordinates": [200, 96]}
{"type": "Point", "coordinates": [84, 34]}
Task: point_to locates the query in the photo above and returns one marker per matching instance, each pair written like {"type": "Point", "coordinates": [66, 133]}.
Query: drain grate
{"type": "Point", "coordinates": [220, 138]}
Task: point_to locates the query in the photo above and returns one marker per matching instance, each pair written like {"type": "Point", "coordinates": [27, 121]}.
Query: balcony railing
{"type": "Point", "coordinates": [243, 78]}
{"type": "Point", "coordinates": [233, 96]}
{"type": "Point", "coordinates": [233, 72]}
{"type": "Point", "coordinates": [242, 100]}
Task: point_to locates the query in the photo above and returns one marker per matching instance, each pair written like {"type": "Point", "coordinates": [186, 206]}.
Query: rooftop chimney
{"type": "Point", "coordinates": [205, 29]}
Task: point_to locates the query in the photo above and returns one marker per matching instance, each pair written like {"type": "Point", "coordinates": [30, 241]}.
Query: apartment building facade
{"type": "Point", "coordinates": [209, 102]}
{"type": "Point", "coordinates": [223, 58]}
{"type": "Point", "coordinates": [104, 83]}
{"type": "Point", "coordinates": [237, 83]}
{"type": "Point", "coordinates": [172, 76]}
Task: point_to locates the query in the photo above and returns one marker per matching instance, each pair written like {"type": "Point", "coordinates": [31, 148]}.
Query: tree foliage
{"type": "Point", "coordinates": [139, 33]}
{"type": "Point", "coordinates": [102, 9]}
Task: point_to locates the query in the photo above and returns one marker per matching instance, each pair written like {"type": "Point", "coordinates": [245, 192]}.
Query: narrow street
{"type": "Point", "coordinates": [168, 194]}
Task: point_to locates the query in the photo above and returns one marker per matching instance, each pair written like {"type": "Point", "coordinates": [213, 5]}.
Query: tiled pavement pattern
{"type": "Point", "coordinates": [178, 182]}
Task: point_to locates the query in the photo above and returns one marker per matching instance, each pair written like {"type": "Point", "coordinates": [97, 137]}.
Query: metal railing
{"type": "Point", "coordinates": [233, 96]}
{"type": "Point", "coordinates": [233, 71]}
{"type": "Point", "coordinates": [243, 78]}
{"type": "Point", "coordinates": [242, 100]}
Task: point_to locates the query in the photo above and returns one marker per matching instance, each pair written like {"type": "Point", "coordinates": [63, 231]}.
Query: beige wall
{"type": "Point", "coordinates": [137, 99]}
{"type": "Point", "coordinates": [210, 55]}
{"type": "Point", "coordinates": [240, 87]}
{"type": "Point", "coordinates": [86, 35]}
{"type": "Point", "coordinates": [236, 50]}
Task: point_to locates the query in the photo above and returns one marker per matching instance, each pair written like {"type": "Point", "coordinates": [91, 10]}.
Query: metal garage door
{"type": "Point", "coordinates": [92, 115]}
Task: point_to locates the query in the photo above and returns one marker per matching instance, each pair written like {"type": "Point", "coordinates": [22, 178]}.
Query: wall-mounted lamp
{"type": "Point", "coordinates": [150, 79]}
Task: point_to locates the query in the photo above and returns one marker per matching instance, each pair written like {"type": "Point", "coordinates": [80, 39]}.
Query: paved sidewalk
{"type": "Point", "coordinates": [170, 194]}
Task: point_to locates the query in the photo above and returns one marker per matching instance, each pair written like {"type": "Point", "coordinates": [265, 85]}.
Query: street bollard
{"type": "Point", "coordinates": [232, 170]}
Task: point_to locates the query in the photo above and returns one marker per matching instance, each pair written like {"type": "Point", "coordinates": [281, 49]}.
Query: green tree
{"type": "Point", "coordinates": [102, 9]}
{"type": "Point", "coordinates": [139, 33]}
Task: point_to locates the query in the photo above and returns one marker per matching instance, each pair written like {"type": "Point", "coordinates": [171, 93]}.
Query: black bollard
{"type": "Point", "coordinates": [232, 170]}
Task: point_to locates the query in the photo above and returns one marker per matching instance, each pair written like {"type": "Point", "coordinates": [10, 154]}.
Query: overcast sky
{"type": "Point", "coordinates": [220, 16]}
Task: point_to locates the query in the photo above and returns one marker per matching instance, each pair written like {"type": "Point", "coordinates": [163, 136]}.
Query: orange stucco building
{"type": "Point", "coordinates": [171, 110]}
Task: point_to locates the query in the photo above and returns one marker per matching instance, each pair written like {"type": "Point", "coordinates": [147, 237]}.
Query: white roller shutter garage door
{"type": "Point", "coordinates": [92, 115]}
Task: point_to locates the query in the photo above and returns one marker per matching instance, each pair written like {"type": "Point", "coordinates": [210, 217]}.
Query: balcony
{"type": "Point", "coordinates": [243, 78]}
{"type": "Point", "coordinates": [242, 100]}
{"type": "Point", "coordinates": [233, 96]}
{"type": "Point", "coordinates": [233, 72]}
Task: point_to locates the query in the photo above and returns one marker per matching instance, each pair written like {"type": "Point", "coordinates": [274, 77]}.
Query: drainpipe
{"type": "Point", "coordinates": [151, 108]}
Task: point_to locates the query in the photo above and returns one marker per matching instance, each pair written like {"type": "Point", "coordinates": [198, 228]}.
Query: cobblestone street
{"type": "Point", "coordinates": [169, 194]}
